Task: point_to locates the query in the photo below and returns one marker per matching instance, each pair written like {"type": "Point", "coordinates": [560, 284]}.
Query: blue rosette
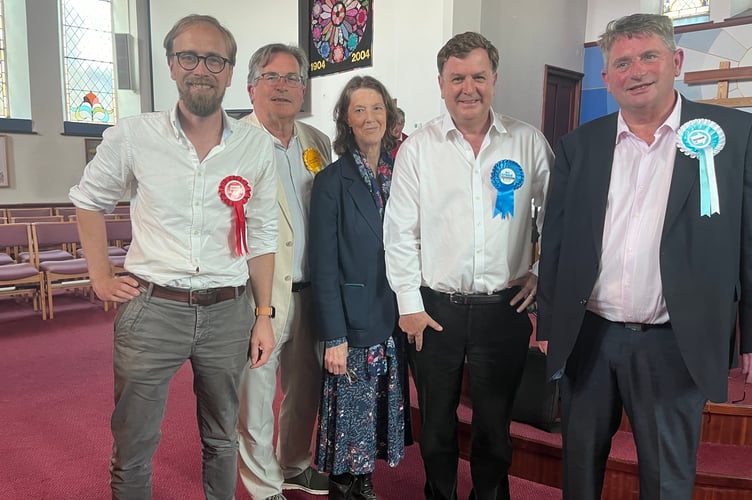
{"type": "Point", "coordinates": [703, 139]}
{"type": "Point", "coordinates": [506, 177]}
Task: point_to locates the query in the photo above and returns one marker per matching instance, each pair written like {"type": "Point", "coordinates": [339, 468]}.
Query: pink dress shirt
{"type": "Point", "coordinates": [629, 288]}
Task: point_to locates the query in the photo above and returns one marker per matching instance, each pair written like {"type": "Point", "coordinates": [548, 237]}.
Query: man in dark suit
{"type": "Point", "coordinates": [646, 256]}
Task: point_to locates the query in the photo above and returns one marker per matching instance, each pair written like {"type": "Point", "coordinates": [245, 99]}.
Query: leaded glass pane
{"type": "Point", "coordinates": [4, 108]}
{"type": "Point", "coordinates": [699, 10]}
{"type": "Point", "coordinates": [88, 61]}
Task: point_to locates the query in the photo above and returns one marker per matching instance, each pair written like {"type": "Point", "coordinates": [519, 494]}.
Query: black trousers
{"type": "Point", "coordinates": [494, 340]}
{"type": "Point", "coordinates": [610, 368]}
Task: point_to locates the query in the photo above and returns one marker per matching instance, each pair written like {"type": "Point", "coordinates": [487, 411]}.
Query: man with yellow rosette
{"type": "Point", "coordinates": [276, 85]}
{"type": "Point", "coordinates": [646, 261]}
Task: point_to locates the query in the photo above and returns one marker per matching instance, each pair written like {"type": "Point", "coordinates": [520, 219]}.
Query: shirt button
{"type": "Point", "coordinates": [195, 233]}
{"type": "Point", "coordinates": [288, 278]}
{"type": "Point", "coordinates": [288, 243]}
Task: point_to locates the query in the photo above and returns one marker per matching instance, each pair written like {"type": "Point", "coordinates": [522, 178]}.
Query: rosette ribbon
{"type": "Point", "coordinates": [235, 192]}
{"type": "Point", "coordinates": [313, 160]}
{"type": "Point", "coordinates": [703, 139]}
{"type": "Point", "coordinates": [506, 176]}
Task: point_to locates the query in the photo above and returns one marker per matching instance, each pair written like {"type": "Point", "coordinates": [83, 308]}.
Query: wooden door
{"type": "Point", "coordinates": [561, 102]}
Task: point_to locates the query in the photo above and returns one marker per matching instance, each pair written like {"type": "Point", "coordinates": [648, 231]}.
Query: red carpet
{"type": "Point", "coordinates": [55, 404]}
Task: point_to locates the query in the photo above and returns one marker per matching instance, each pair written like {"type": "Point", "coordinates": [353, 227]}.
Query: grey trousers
{"type": "Point", "coordinates": [153, 339]}
{"type": "Point", "coordinates": [298, 357]}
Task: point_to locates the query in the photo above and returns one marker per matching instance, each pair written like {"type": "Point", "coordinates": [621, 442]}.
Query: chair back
{"type": "Point", "coordinates": [123, 210]}
{"type": "Point", "coordinates": [66, 212]}
{"type": "Point", "coordinates": [13, 237]}
{"type": "Point", "coordinates": [28, 212]}
{"type": "Point", "coordinates": [118, 231]}
{"type": "Point", "coordinates": [51, 234]}
{"type": "Point", "coordinates": [36, 218]}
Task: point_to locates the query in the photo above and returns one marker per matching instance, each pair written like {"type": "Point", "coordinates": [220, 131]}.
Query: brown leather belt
{"type": "Point", "coordinates": [202, 297]}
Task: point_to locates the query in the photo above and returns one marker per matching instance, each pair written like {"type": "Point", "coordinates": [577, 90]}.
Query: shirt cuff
{"type": "Point", "coordinates": [410, 302]}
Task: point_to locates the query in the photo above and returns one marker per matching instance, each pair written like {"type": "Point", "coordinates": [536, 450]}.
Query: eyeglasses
{"type": "Point", "coordinates": [291, 79]}
{"type": "Point", "coordinates": [189, 60]}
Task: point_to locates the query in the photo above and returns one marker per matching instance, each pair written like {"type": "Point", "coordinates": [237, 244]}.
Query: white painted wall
{"type": "Point", "coordinates": [407, 36]}
{"type": "Point", "coordinates": [403, 53]}
{"type": "Point", "coordinates": [529, 35]}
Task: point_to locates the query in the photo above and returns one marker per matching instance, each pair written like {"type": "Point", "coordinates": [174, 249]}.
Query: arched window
{"type": "Point", "coordinates": [687, 11]}
{"type": "Point", "coordinates": [88, 68]}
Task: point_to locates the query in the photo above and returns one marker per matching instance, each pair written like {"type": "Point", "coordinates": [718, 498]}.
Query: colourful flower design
{"type": "Point", "coordinates": [337, 27]}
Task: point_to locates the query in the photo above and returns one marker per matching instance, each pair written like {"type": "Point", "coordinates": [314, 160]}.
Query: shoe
{"type": "Point", "coordinates": [310, 480]}
{"type": "Point", "coordinates": [342, 486]}
{"type": "Point", "coordinates": [278, 496]}
{"type": "Point", "coordinates": [363, 488]}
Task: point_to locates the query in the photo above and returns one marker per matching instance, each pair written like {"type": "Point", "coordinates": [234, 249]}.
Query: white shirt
{"type": "Point", "coordinates": [629, 287]}
{"type": "Point", "coordinates": [440, 230]}
{"type": "Point", "coordinates": [183, 233]}
{"type": "Point", "coordinates": [297, 182]}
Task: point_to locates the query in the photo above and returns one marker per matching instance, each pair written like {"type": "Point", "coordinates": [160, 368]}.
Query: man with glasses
{"type": "Point", "coordinates": [204, 186]}
{"type": "Point", "coordinates": [276, 85]}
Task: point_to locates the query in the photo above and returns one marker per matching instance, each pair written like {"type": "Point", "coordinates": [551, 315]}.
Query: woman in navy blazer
{"type": "Point", "coordinates": [362, 412]}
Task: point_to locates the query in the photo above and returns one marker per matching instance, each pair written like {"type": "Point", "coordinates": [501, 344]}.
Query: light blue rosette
{"type": "Point", "coordinates": [506, 176]}
{"type": "Point", "coordinates": [703, 139]}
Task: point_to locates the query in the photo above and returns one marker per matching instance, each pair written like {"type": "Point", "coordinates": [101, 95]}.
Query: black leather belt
{"type": "Point", "coordinates": [642, 327]}
{"type": "Point", "coordinates": [635, 327]}
{"type": "Point", "coordinates": [467, 299]}
{"type": "Point", "coordinates": [201, 297]}
{"type": "Point", "coordinates": [300, 285]}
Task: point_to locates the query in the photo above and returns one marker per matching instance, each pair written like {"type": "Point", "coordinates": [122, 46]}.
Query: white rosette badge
{"type": "Point", "coordinates": [703, 139]}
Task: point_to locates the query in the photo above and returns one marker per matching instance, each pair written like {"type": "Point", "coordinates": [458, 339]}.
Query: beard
{"type": "Point", "coordinates": [201, 104]}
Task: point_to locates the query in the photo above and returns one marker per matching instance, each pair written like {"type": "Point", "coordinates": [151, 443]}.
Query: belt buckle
{"type": "Point", "coordinates": [202, 297]}
{"type": "Point", "coordinates": [457, 298]}
{"type": "Point", "coordinates": [635, 327]}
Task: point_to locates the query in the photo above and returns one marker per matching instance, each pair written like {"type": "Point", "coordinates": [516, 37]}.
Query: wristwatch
{"type": "Point", "coordinates": [266, 311]}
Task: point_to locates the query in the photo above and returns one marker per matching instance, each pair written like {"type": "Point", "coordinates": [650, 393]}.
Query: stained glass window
{"type": "Point", "coordinates": [88, 61]}
{"type": "Point", "coordinates": [4, 109]}
{"type": "Point", "coordinates": [687, 11]}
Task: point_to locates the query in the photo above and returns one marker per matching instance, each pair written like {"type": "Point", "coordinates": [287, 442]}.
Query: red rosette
{"type": "Point", "coordinates": [235, 192]}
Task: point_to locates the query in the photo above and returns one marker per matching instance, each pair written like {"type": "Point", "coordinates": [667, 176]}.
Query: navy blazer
{"type": "Point", "coordinates": [346, 257]}
{"type": "Point", "coordinates": [705, 262]}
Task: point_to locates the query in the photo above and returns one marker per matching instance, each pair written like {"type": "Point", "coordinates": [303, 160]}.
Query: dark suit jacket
{"type": "Point", "coordinates": [346, 255]}
{"type": "Point", "coordinates": [706, 263]}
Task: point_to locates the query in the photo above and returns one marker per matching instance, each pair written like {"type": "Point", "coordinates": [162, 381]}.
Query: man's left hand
{"type": "Point", "coordinates": [262, 341]}
{"type": "Point", "coordinates": [526, 295]}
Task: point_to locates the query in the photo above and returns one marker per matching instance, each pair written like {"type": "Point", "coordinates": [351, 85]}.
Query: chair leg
{"type": "Point", "coordinates": [49, 299]}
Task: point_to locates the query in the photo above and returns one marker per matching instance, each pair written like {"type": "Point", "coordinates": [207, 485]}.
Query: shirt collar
{"type": "Point", "coordinates": [672, 123]}
{"type": "Point", "coordinates": [447, 124]}
{"type": "Point", "coordinates": [228, 125]}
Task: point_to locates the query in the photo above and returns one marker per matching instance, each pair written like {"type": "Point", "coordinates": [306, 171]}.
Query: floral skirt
{"type": "Point", "coordinates": [361, 417]}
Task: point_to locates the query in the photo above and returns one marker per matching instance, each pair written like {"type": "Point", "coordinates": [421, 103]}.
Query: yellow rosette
{"type": "Point", "coordinates": [313, 160]}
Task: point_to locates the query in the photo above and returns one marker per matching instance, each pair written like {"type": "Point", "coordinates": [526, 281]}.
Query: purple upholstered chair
{"type": "Point", "coordinates": [65, 274]}
{"type": "Point", "coordinates": [20, 279]}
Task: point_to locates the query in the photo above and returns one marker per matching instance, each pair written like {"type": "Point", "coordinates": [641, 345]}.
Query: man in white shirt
{"type": "Point", "coordinates": [204, 188]}
{"type": "Point", "coordinates": [276, 83]}
{"type": "Point", "coordinates": [457, 238]}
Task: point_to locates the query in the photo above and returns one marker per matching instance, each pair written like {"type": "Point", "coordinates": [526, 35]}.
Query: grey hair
{"type": "Point", "coordinates": [264, 55]}
{"type": "Point", "coordinates": [636, 25]}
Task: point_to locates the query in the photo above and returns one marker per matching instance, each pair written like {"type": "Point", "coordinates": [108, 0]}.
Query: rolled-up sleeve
{"type": "Point", "coordinates": [262, 213]}
{"type": "Point", "coordinates": [108, 176]}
